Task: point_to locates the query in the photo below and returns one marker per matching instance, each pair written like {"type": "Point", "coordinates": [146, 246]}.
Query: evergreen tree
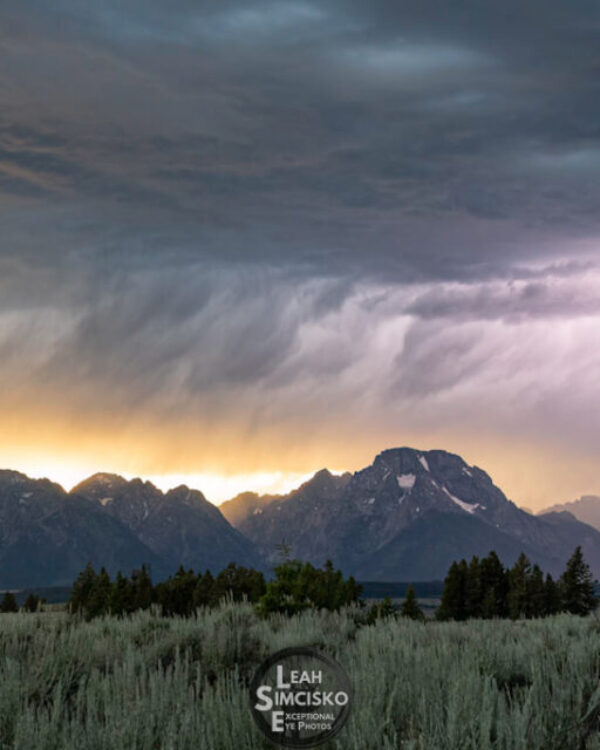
{"type": "Point", "coordinates": [577, 586]}
{"type": "Point", "coordinates": [33, 602]}
{"type": "Point", "coordinates": [473, 589]}
{"type": "Point", "coordinates": [82, 588]}
{"type": "Point", "coordinates": [552, 597]}
{"type": "Point", "coordinates": [204, 590]}
{"type": "Point", "coordinates": [176, 594]}
{"type": "Point", "coordinates": [282, 594]}
{"type": "Point", "coordinates": [9, 603]}
{"type": "Point", "coordinates": [453, 605]}
{"type": "Point", "coordinates": [410, 606]}
{"type": "Point", "coordinates": [142, 591]}
{"type": "Point", "coordinates": [381, 610]}
{"type": "Point", "coordinates": [518, 578]}
{"type": "Point", "coordinates": [299, 586]}
{"type": "Point", "coordinates": [97, 603]}
{"type": "Point", "coordinates": [494, 585]}
{"type": "Point", "coordinates": [536, 594]}
{"type": "Point", "coordinates": [240, 583]}
{"type": "Point", "coordinates": [119, 598]}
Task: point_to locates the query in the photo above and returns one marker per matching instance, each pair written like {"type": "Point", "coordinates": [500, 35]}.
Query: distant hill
{"type": "Point", "coordinates": [586, 509]}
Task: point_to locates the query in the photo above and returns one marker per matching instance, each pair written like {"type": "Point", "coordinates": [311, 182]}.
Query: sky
{"type": "Point", "coordinates": [243, 241]}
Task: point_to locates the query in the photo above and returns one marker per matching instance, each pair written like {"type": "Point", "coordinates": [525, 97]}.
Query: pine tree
{"type": "Point", "coordinates": [142, 589]}
{"type": "Point", "coordinates": [33, 602]}
{"type": "Point", "coordinates": [176, 595]}
{"type": "Point", "coordinates": [552, 597]}
{"type": "Point", "coordinates": [410, 606]}
{"type": "Point", "coordinates": [535, 593]}
{"type": "Point", "coordinates": [240, 583]}
{"type": "Point", "coordinates": [299, 586]}
{"type": "Point", "coordinates": [453, 605]}
{"type": "Point", "coordinates": [517, 594]}
{"type": "Point", "coordinates": [381, 610]}
{"type": "Point", "coordinates": [494, 584]}
{"type": "Point", "coordinates": [118, 599]}
{"type": "Point", "coordinates": [473, 589]}
{"type": "Point", "coordinates": [98, 600]}
{"type": "Point", "coordinates": [9, 603]}
{"type": "Point", "coordinates": [577, 586]}
{"type": "Point", "coordinates": [204, 591]}
{"type": "Point", "coordinates": [82, 588]}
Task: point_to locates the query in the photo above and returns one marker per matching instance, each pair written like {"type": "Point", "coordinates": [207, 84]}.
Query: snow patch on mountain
{"type": "Point", "coordinates": [424, 463]}
{"type": "Point", "coordinates": [468, 507]}
{"type": "Point", "coordinates": [406, 481]}
{"type": "Point", "coordinates": [105, 501]}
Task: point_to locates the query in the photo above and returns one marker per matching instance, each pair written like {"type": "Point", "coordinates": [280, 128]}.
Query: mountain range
{"type": "Point", "coordinates": [48, 535]}
{"type": "Point", "coordinates": [407, 516]}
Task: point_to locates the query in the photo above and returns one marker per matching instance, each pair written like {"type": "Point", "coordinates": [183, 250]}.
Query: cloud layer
{"type": "Point", "coordinates": [236, 234]}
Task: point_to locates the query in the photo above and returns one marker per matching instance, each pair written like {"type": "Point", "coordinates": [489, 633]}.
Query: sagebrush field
{"type": "Point", "coordinates": [146, 682]}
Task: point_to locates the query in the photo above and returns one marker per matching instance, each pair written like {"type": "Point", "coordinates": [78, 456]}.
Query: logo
{"type": "Point", "coordinates": [300, 697]}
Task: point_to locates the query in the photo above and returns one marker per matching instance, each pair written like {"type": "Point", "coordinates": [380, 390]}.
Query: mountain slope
{"type": "Point", "coordinates": [46, 538]}
{"type": "Point", "coordinates": [237, 510]}
{"type": "Point", "coordinates": [180, 526]}
{"type": "Point", "coordinates": [586, 509]}
{"type": "Point", "coordinates": [462, 537]}
{"type": "Point", "coordinates": [297, 519]}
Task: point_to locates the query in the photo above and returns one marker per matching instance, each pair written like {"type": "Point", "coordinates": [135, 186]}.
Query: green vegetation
{"type": "Point", "coordinates": [481, 589]}
{"type": "Point", "coordinates": [145, 681]}
{"type": "Point", "coordinates": [485, 589]}
{"type": "Point", "coordinates": [33, 603]}
{"type": "Point", "coordinates": [410, 606]}
{"type": "Point", "coordinates": [146, 666]}
{"type": "Point", "coordinates": [94, 594]}
{"type": "Point", "coordinates": [298, 586]}
{"type": "Point", "coordinates": [9, 603]}
{"type": "Point", "coordinates": [295, 587]}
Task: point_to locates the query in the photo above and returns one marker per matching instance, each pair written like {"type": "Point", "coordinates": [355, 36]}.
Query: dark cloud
{"type": "Point", "coordinates": [284, 207]}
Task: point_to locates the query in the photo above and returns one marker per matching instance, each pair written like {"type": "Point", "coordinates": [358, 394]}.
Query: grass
{"type": "Point", "coordinates": [149, 683]}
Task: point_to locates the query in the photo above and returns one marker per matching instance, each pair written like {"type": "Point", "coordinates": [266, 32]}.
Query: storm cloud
{"type": "Point", "coordinates": [264, 223]}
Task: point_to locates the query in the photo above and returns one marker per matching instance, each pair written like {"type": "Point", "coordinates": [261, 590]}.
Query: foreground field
{"type": "Point", "coordinates": [148, 682]}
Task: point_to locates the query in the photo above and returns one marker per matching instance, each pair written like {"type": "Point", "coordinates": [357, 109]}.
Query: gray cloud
{"type": "Point", "coordinates": [278, 209]}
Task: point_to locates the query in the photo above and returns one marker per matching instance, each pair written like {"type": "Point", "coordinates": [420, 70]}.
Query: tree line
{"type": "Point", "coordinates": [9, 603]}
{"type": "Point", "coordinates": [295, 586]}
{"type": "Point", "coordinates": [484, 588]}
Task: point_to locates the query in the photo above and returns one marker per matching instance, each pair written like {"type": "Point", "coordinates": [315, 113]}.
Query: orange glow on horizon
{"type": "Point", "coordinates": [225, 460]}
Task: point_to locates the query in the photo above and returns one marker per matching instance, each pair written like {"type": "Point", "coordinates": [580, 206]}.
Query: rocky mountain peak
{"type": "Point", "coordinates": [183, 495]}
